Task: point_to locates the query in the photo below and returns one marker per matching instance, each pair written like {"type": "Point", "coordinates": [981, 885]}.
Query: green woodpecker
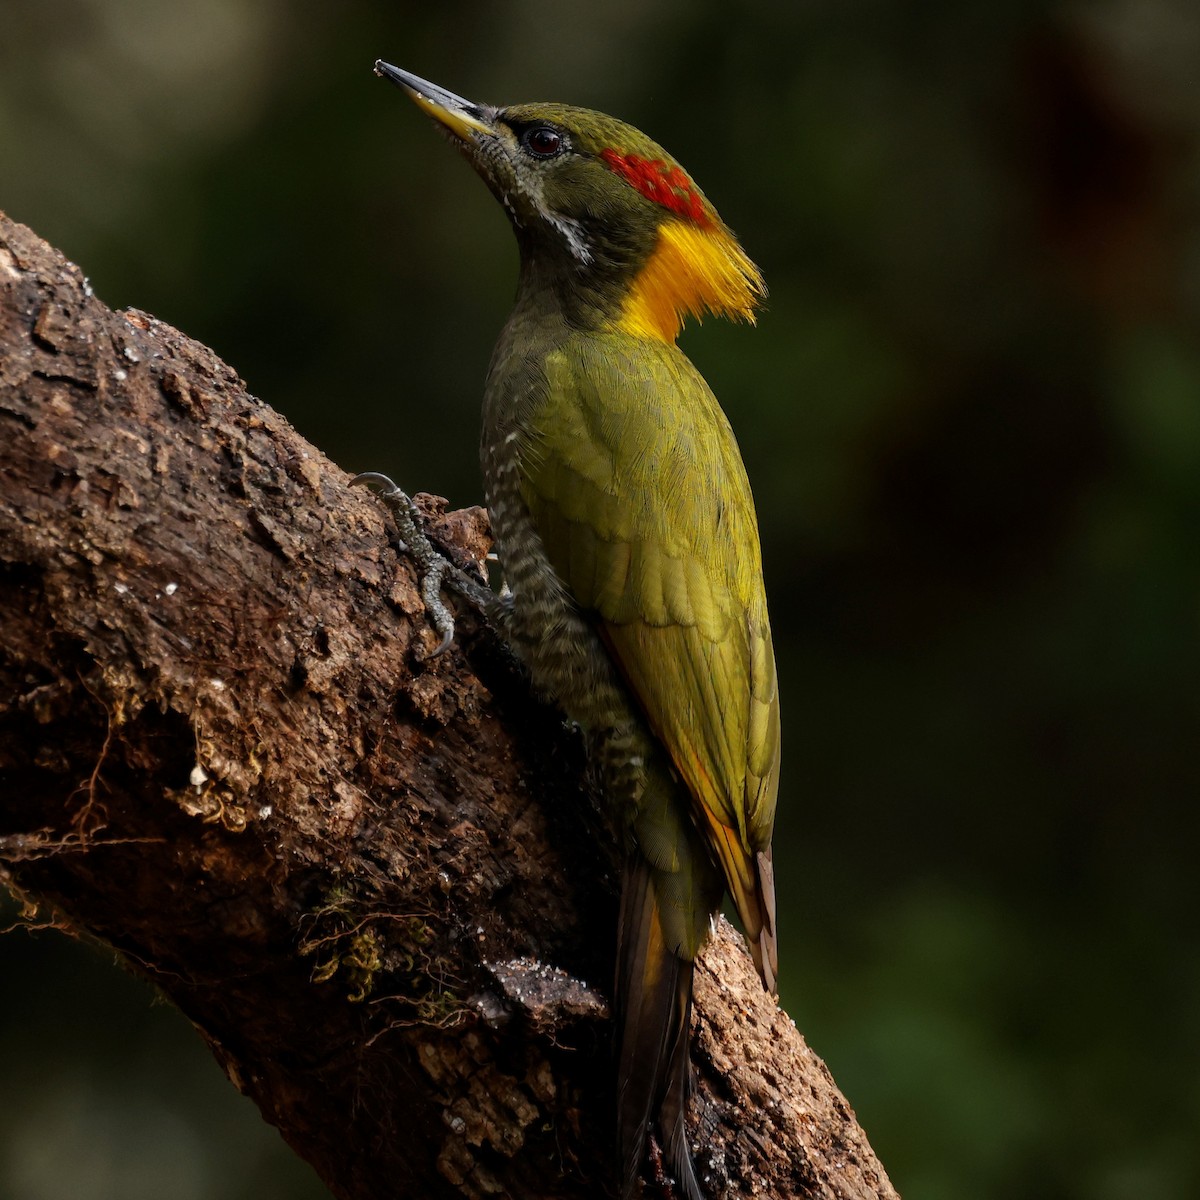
{"type": "Point", "coordinates": [626, 530]}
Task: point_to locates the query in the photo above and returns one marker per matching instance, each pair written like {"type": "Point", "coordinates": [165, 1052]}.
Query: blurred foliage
{"type": "Point", "coordinates": [110, 1094]}
{"type": "Point", "coordinates": [972, 419]}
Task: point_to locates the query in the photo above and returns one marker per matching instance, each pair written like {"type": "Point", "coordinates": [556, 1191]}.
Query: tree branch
{"type": "Point", "coordinates": [369, 879]}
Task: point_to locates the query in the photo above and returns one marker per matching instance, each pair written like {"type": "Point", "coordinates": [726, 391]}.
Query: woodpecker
{"type": "Point", "coordinates": [626, 530]}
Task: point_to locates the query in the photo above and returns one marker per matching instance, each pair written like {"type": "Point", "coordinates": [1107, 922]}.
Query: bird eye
{"type": "Point", "coordinates": [543, 141]}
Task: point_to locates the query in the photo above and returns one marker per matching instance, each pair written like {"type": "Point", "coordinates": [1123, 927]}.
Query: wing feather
{"type": "Point", "coordinates": [644, 507]}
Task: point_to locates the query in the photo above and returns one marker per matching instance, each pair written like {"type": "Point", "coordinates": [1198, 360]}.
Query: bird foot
{"type": "Point", "coordinates": [433, 568]}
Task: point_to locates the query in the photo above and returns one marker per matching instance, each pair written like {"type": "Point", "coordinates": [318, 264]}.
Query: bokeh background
{"type": "Point", "coordinates": [972, 418]}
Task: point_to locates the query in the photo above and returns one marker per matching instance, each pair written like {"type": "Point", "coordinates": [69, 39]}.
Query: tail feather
{"type": "Point", "coordinates": [654, 995]}
{"type": "Point", "coordinates": [677, 1089]}
{"type": "Point", "coordinates": [765, 949]}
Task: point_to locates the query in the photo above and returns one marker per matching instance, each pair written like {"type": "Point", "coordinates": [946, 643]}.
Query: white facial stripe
{"type": "Point", "coordinates": [572, 231]}
{"type": "Point", "coordinates": [530, 186]}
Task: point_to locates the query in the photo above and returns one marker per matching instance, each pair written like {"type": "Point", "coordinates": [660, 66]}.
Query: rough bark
{"type": "Point", "coordinates": [371, 880]}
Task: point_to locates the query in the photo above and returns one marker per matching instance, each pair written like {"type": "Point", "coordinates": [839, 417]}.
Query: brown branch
{"type": "Point", "coordinates": [222, 752]}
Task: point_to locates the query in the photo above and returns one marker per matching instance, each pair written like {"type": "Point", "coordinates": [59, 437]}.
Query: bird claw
{"type": "Point", "coordinates": [432, 566]}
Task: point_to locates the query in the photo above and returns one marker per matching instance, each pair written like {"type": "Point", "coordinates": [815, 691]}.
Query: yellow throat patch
{"type": "Point", "coordinates": [693, 270]}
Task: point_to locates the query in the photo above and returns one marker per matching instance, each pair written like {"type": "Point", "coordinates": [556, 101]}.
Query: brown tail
{"type": "Point", "coordinates": [654, 1002]}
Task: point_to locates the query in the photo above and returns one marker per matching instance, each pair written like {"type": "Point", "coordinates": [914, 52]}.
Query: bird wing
{"type": "Point", "coordinates": [634, 480]}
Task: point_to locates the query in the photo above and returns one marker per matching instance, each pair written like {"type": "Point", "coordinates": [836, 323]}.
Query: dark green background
{"type": "Point", "coordinates": [971, 415]}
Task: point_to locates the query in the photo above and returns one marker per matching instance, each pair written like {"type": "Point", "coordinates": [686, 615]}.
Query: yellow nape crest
{"type": "Point", "coordinates": [694, 269]}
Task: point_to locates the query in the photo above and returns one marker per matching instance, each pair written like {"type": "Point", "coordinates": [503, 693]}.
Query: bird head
{"type": "Point", "coordinates": [604, 216]}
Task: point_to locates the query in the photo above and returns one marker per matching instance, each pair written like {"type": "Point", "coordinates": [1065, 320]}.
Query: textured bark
{"type": "Point", "coordinates": [369, 879]}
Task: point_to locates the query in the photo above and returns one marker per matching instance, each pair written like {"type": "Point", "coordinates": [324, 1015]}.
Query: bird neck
{"type": "Point", "coordinates": [645, 285]}
{"type": "Point", "coordinates": [694, 269]}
